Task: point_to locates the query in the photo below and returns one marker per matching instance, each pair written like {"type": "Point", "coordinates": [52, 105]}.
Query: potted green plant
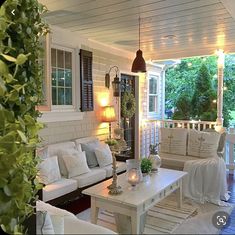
{"type": "Point", "coordinates": [146, 166]}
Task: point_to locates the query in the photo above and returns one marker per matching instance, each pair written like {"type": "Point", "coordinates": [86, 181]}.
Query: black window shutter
{"type": "Point", "coordinates": [87, 100]}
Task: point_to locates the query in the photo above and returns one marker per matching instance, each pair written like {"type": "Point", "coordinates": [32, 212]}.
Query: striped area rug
{"type": "Point", "coordinates": [163, 218]}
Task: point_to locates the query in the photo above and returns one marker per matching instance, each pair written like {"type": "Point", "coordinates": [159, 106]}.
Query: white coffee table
{"type": "Point", "coordinates": [135, 203]}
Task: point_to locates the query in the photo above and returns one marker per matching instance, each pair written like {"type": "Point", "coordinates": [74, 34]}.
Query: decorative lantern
{"type": "Point", "coordinates": [134, 175]}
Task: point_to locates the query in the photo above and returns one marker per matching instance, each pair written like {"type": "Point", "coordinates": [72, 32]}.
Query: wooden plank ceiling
{"type": "Point", "coordinates": [169, 28]}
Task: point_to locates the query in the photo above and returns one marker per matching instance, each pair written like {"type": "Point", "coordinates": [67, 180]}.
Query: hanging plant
{"type": "Point", "coordinates": [128, 105]}
{"type": "Point", "coordinates": [20, 93]}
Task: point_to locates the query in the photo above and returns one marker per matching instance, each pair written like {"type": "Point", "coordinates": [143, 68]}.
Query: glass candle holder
{"type": "Point", "coordinates": [133, 177]}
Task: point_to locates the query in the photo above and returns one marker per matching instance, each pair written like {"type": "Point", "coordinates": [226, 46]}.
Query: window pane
{"type": "Point", "coordinates": [68, 96]}
{"type": "Point", "coordinates": [54, 95]}
{"type": "Point", "coordinates": [53, 77]}
{"type": "Point", "coordinates": [68, 60]}
{"type": "Point", "coordinates": [152, 86]}
{"type": "Point", "coordinates": [68, 78]}
{"type": "Point", "coordinates": [60, 59]}
{"type": "Point", "coordinates": [152, 104]}
{"type": "Point", "coordinates": [53, 57]}
{"type": "Point", "coordinates": [60, 96]}
{"type": "Point", "coordinates": [61, 77]}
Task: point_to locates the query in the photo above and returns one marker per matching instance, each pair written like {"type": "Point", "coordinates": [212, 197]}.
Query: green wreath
{"type": "Point", "coordinates": [128, 105]}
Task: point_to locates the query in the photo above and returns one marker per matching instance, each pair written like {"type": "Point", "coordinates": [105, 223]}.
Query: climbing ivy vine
{"type": "Point", "coordinates": [20, 93]}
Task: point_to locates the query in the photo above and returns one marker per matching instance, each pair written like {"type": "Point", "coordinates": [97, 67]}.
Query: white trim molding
{"type": "Point", "coordinates": [62, 116]}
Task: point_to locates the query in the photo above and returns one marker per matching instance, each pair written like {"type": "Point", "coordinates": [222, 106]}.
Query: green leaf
{"type": "Point", "coordinates": [22, 136]}
{"type": "Point", "coordinates": [21, 59]}
{"type": "Point", "coordinates": [7, 190]}
{"type": "Point", "coordinates": [3, 68]}
{"type": "Point", "coordinates": [2, 11]}
{"type": "Point", "coordinates": [2, 87]}
{"type": "Point", "coordinates": [9, 58]}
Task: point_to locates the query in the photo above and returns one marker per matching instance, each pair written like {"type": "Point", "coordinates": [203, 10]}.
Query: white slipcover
{"type": "Point", "coordinates": [58, 188]}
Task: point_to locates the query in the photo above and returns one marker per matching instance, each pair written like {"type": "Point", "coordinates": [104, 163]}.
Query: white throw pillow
{"type": "Point", "coordinates": [44, 223]}
{"type": "Point", "coordinates": [76, 164]}
{"type": "Point", "coordinates": [65, 152]}
{"type": "Point", "coordinates": [104, 155]}
{"type": "Point", "coordinates": [203, 144]}
{"type": "Point", "coordinates": [49, 171]}
{"type": "Point", "coordinates": [173, 140]}
{"type": "Point", "coordinates": [58, 223]}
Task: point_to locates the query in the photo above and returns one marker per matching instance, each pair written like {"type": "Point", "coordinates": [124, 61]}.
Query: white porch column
{"type": "Point", "coordinates": [220, 77]}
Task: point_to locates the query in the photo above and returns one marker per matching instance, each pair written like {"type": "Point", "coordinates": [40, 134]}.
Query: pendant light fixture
{"type": "Point", "coordinates": [139, 65]}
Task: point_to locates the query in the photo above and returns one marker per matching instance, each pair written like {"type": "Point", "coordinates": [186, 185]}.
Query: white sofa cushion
{"type": "Point", "coordinates": [58, 223]}
{"type": "Point", "coordinates": [121, 166]}
{"type": "Point", "coordinates": [44, 223]}
{"type": "Point", "coordinates": [92, 177]}
{"type": "Point", "coordinates": [75, 163]}
{"type": "Point", "coordinates": [203, 144]}
{"type": "Point", "coordinates": [49, 171]}
{"type": "Point", "coordinates": [53, 149]}
{"type": "Point", "coordinates": [173, 140]}
{"type": "Point", "coordinates": [58, 188]}
{"type": "Point", "coordinates": [175, 160]}
{"type": "Point", "coordinates": [104, 155]}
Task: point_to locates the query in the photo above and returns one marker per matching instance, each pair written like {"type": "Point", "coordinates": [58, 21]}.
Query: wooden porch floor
{"type": "Point", "coordinates": [231, 188]}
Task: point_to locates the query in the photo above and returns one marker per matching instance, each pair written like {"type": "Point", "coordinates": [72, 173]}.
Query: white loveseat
{"type": "Point", "coordinates": [66, 188]}
{"type": "Point", "coordinates": [179, 145]}
{"type": "Point", "coordinates": [64, 222]}
{"type": "Point", "coordinates": [198, 153]}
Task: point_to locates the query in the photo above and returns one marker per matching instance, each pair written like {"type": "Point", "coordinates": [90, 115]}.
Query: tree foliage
{"type": "Point", "coordinates": [20, 92]}
{"type": "Point", "coordinates": [184, 83]}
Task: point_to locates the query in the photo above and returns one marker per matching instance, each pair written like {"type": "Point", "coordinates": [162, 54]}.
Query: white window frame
{"type": "Point", "coordinates": [156, 76]}
{"type": "Point", "coordinates": [65, 108]}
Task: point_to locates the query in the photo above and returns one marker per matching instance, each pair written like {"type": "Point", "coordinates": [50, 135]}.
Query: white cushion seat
{"type": "Point", "coordinates": [121, 166]}
{"type": "Point", "coordinates": [174, 160]}
{"type": "Point", "coordinates": [58, 188]}
{"type": "Point", "coordinates": [95, 175]}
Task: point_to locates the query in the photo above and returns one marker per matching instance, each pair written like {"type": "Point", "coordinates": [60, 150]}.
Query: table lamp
{"type": "Point", "coordinates": [108, 115]}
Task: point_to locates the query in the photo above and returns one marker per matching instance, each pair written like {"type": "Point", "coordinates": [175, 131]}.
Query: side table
{"type": "Point", "coordinates": [122, 157]}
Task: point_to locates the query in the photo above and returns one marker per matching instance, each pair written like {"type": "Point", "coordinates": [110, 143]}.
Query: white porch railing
{"type": "Point", "coordinates": [150, 135]}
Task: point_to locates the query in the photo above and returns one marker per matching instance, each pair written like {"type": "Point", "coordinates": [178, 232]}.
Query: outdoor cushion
{"type": "Point", "coordinates": [203, 144]}
{"type": "Point", "coordinates": [104, 155]}
{"type": "Point", "coordinates": [89, 148]}
{"type": "Point", "coordinates": [173, 140]}
{"type": "Point", "coordinates": [75, 164]}
{"type": "Point", "coordinates": [49, 171]}
{"type": "Point", "coordinates": [174, 160]}
{"type": "Point", "coordinates": [92, 177]}
{"type": "Point", "coordinates": [53, 149]}
{"type": "Point", "coordinates": [58, 188]}
{"type": "Point", "coordinates": [44, 223]}
{"type": "Point", "coordinates": [62, 154]}
{"type": "Point", "coordinates": [121, 166]}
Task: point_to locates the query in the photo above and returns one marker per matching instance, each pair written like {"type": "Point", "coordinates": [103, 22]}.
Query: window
{"type": "Point", "coordinates": [153, 94]}
{"type": "Point", "coordinates": [61, 77]}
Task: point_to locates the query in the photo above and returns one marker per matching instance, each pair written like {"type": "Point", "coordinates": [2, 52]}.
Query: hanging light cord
{"type": "Point", "coordinates": [139, 32]}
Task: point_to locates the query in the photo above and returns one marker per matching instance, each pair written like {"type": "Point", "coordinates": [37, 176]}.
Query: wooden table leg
{"type": "Point", "coordinates": [135, 223]}
{"type": "Point", "coordinates": [179, 194]}
{"type": "Point", "coordinates": [94, 211]}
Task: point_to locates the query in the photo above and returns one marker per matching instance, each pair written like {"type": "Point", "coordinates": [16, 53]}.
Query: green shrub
{"type": "Point", "coordinates": [146, 165]}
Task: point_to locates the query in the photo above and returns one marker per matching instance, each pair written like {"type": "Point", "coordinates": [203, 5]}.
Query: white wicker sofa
{"type": "Point", "coordinates": [67, 188]}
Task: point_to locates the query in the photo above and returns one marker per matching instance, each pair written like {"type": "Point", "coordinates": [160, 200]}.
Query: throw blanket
{"type": "Point", "coordinates": [206, 180]}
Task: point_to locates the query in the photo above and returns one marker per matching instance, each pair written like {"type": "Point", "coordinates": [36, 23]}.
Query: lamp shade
{"type": "Point", "coordinates": [139, 64]}
{"type": "Point", "coordinates": [108, 114]}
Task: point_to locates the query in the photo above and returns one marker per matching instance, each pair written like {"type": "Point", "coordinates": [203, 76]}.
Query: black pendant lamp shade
{"type": "Point", "coordinates": [139, 65]}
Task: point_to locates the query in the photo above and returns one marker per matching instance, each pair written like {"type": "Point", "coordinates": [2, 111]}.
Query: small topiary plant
{"type": "Point", "coordinates": [146, 165]}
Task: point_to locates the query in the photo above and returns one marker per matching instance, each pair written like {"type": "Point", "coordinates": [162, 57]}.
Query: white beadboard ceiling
{"type": "Point", "coordinates": [169, 28]}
